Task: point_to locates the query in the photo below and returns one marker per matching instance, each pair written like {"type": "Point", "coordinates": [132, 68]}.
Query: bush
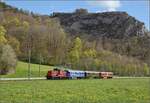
{"type": "Point", "coordinates": [8, 59]}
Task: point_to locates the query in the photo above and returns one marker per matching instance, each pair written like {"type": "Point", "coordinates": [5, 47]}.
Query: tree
{"type": "Point", "coordinates": [38, 42]}
{"type": "Point", "coordinates": [90, 53]}
{"type": "Point", "coordinates": [25, 24]}
{"type": "Point", "coordinates": [87, 60]}
{"type": "Point", "coordinates": [75, 52]}
{"type": "Point", "coordinates": [18, 39]}
{"type": "Point", "coordinates": [15, 44]}
{"type": "Point", "coordinates": [15, 21]}
{"type": "Point", "coordinates": [77, 44]}
{"type": "Point", "coordinates": [2, 35]}
{"type": "Point", "coordinates": [8, 59]}
{"type": "Point", "coordinates": [146, 70]}
{"type": "Point", "coordinates": [11, 22]}
{"type": "Point", "coordinates": [56, 42]}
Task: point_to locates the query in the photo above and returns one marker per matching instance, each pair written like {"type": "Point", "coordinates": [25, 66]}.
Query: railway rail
{"type": "Point", "coordinates": [44, 78]}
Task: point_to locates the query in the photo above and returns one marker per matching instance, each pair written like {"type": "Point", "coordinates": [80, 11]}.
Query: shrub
{"type": "Point", "coordinates": [8, 59]}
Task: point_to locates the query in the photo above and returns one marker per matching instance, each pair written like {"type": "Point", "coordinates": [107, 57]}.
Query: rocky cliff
{"type": "Point", "coordinates": [107, 24]}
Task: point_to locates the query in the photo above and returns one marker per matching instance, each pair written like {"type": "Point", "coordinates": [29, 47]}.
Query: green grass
{"type": "Point", "coordinates": [22, 70]}
{"type": "Point", "coordinates": [76, 91]}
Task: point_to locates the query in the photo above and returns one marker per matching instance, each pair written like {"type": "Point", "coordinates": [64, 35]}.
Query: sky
{"type": "Point", "coordinates": [140, 9]}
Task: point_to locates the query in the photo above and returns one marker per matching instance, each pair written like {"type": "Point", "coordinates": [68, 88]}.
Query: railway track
{"type": "Point", "coordinates": [44, 78]}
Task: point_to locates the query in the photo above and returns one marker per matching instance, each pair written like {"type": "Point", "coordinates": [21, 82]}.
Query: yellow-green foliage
{"type": "Point", "coordinates": [87, 58]}
{"type": "Point", "coordinates": [14, 43]}
{"type": "Point", "coordinates": [90, 53]}
{"type": "Point", "coordinates": [146, 69]}
{"type": "Point", "coordinates": [121, 65]}
{"type": "Point", "coordinates": [73, 56]}
{"type": "Point", "coordinates": [75, 53]}
{"type": "Point", "coordinates": [77, 44]}
{"type": "Point", "coordinates": [13, 21]}
{"type": "Point", "coordinates": [25, 24]}
{"type": "Point", "coordinates": [2, 35]}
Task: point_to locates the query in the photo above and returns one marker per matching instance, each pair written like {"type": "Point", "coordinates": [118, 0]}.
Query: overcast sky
{"type": "Point", "coordinates": [137, 8]}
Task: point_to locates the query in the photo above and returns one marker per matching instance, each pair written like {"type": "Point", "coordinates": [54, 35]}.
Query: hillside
{"type": "Point", "coordinates": [109, 41]}
{"type": "Point", "coordinates": [115, 31]}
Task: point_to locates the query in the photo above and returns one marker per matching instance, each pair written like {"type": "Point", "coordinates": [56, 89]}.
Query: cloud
{"type": "Point", "coordinates": [109, 5]}
{"type": "Point", "coordinates": [1, 0]}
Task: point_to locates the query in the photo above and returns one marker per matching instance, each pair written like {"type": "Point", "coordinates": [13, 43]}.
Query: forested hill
{"type": "Point", "coordinates": [106, 24]}
{"type": "Point", "coordinates": [79, 40]}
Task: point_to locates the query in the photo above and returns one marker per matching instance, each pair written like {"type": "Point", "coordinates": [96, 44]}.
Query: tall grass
{"type": "Point", "coordinates": [76, 91]}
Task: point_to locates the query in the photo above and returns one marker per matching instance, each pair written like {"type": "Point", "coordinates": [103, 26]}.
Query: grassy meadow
{"type": "Point", "coordinates": [76, 91]}
{"type": "Point", "coordinates": [22, 70]}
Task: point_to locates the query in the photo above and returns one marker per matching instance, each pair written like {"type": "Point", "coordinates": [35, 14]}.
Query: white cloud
{"type": "Point", "coordinates": [1, 0]}
{"type": "Point", "coordinates": [110, 5]}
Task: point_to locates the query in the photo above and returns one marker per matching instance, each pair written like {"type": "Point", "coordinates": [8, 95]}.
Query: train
{"type": "Point", "coordinates": [77, 74]}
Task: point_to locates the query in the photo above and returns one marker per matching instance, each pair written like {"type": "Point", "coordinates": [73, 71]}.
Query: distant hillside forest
{"type": "Point", "coordinates": [44, 38]}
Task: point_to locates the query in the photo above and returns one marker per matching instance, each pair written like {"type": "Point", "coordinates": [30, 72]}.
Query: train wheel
{"type": "Point", "coordinates": [49, 77]}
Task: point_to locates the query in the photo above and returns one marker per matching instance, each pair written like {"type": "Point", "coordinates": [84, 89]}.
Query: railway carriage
{"type": "Point", "coordinates": [92, 74]}
{"type": "Point", "coordinates": [106, 75]}
{"type": "Point", "coordinates": [75, 74]}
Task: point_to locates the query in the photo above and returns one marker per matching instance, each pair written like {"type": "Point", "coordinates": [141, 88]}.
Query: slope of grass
{"type": "Point", "coordinates": [22, 70]}
{"type": "Point", "coordinates": [76, 91]}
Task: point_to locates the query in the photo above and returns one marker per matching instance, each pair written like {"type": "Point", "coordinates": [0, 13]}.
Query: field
{"type": "Point", "coordinates": [22, 70]}
{"type": "Point", "coordinates": [76, 91]}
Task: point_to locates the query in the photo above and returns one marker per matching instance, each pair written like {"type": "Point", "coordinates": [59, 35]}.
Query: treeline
{"type": "Point", "coordinates": [48, 43]}
{"type": "Point", "coordinates": [85, 56]}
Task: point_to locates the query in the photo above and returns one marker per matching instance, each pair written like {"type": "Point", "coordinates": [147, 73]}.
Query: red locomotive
{"type": "Point", "coordinates": [56, 74]}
